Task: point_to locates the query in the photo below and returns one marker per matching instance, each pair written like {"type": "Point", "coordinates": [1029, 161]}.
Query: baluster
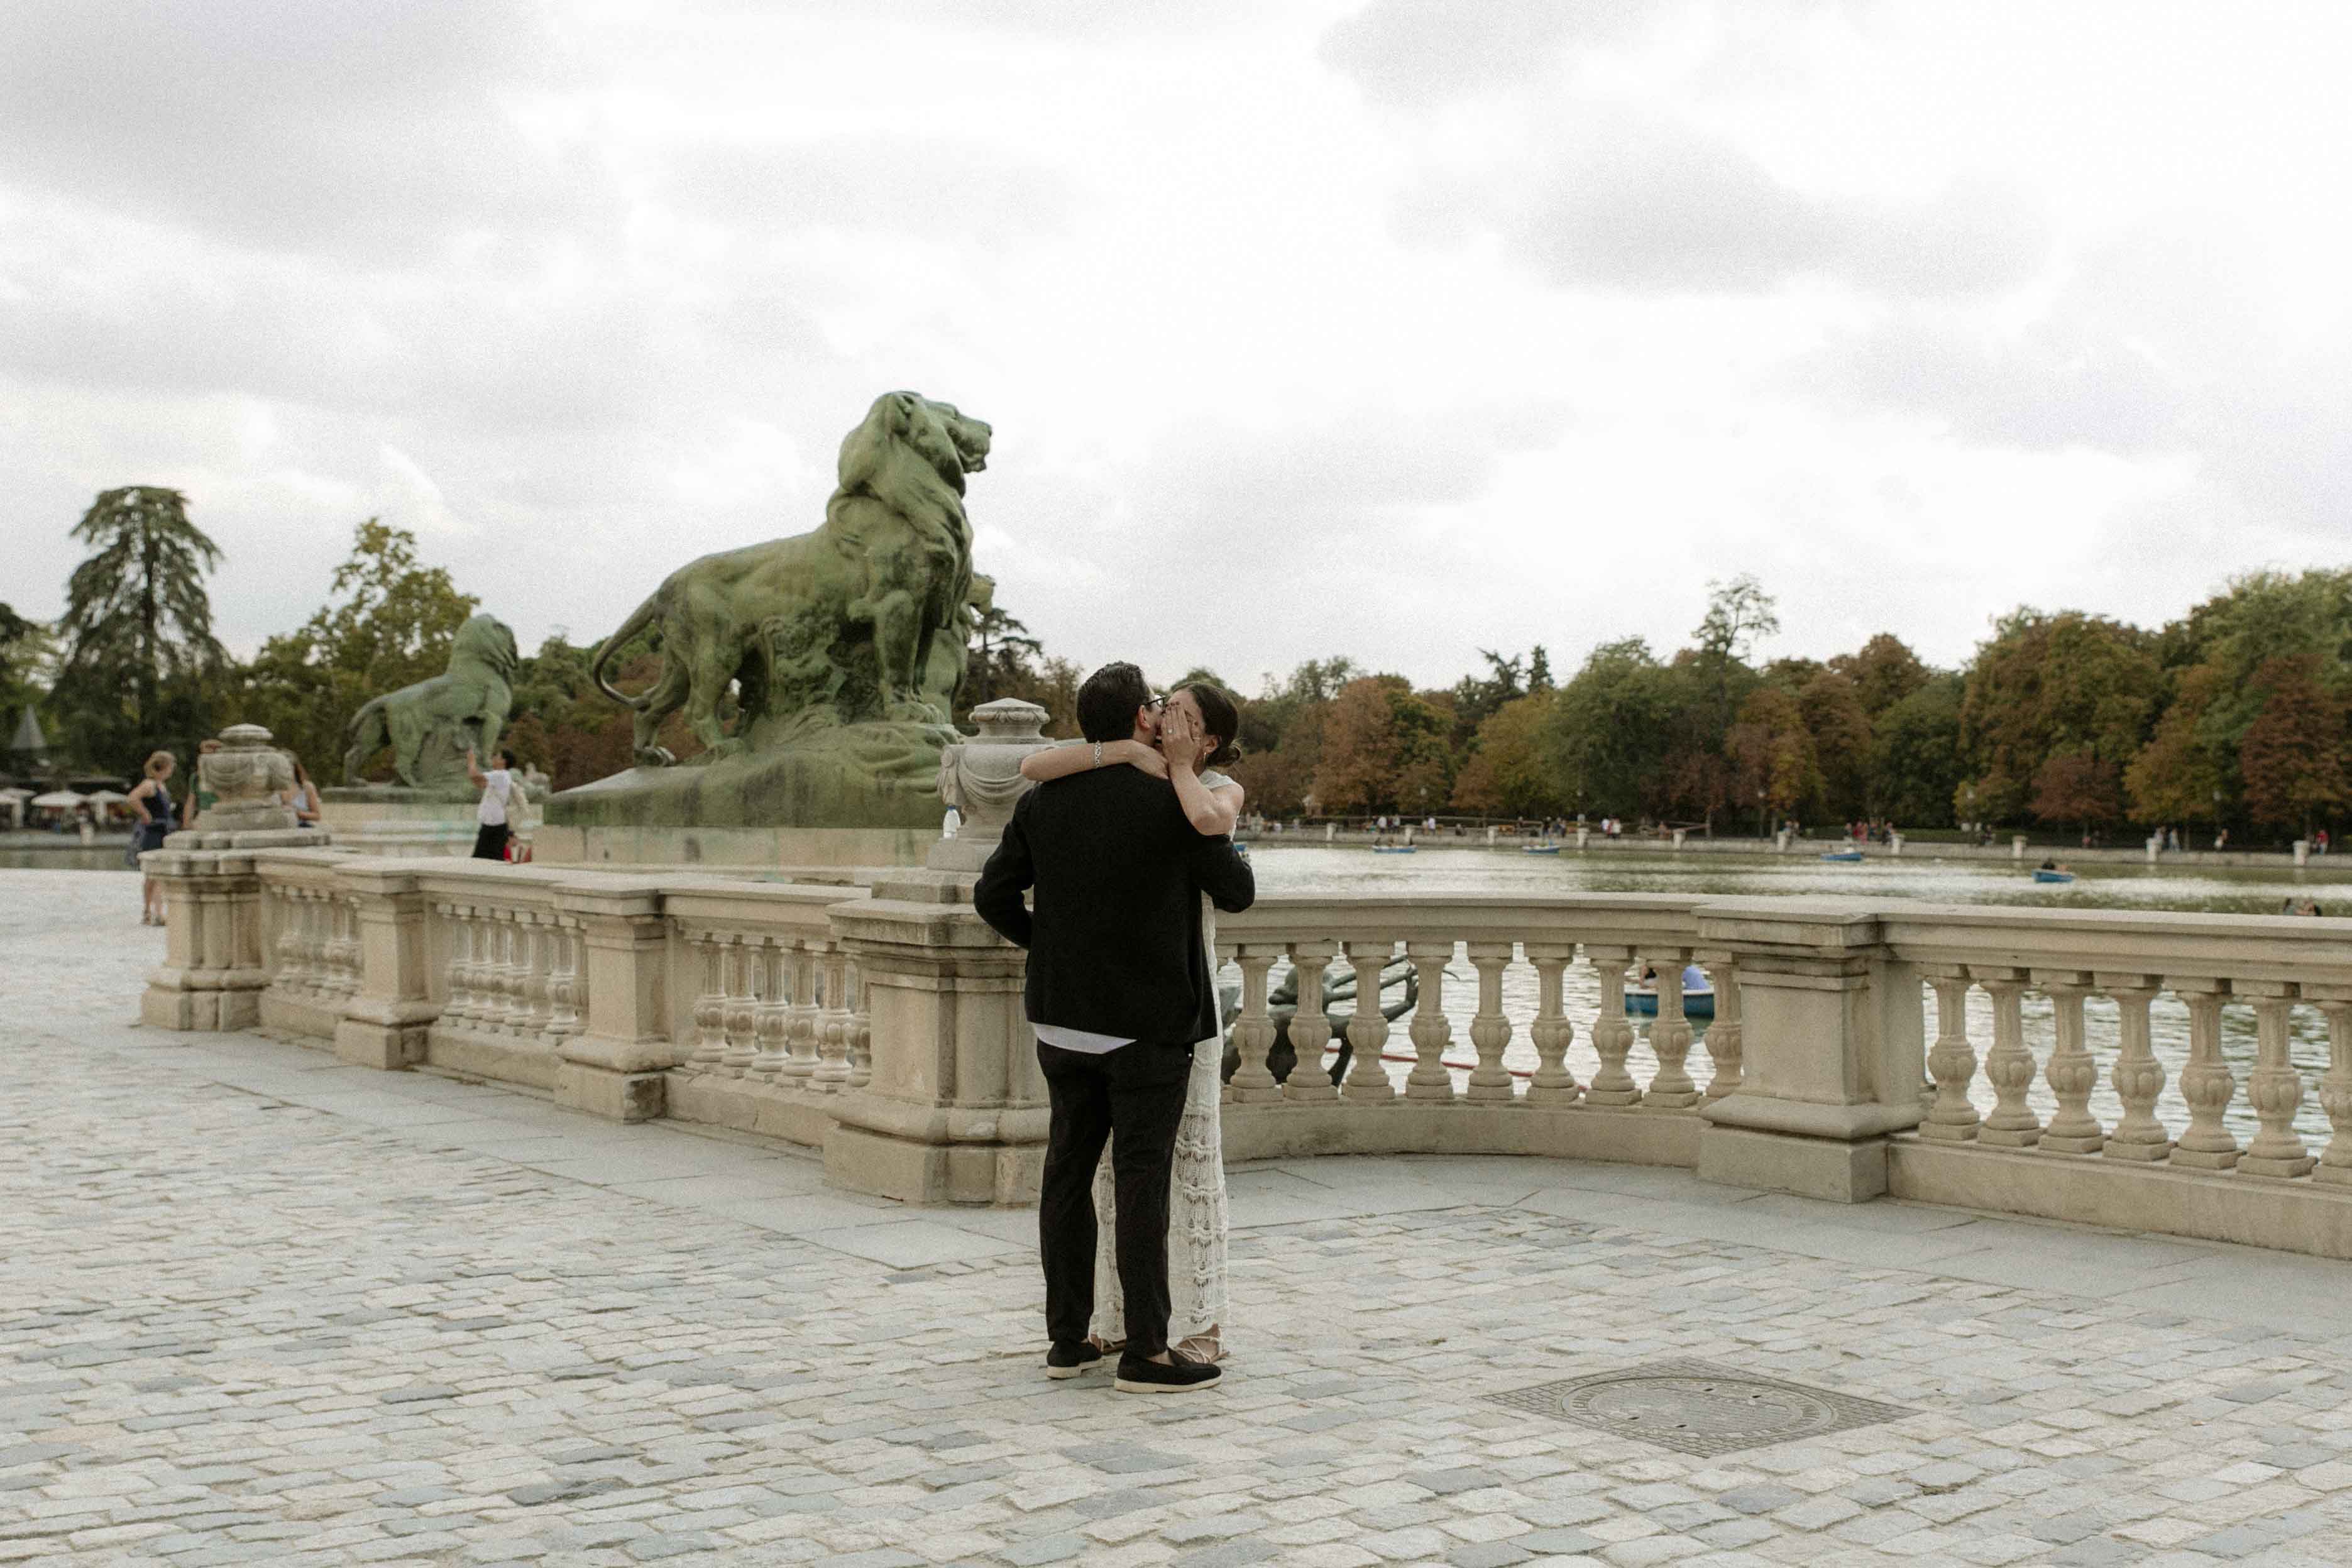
{"type": "Point", "coordinates": [453, 979]}
{"type": "Point", "coordinates": [2137, 1076]}
{"type": "Point", "coordinates": [486, 968]}
{"type": "Point", "coordinates": [861, 1029]}
{"type": "Point", "coordinates": [1490, 1029]}
{"type": "Point", "coordinates": [563, 985]}
{"type": "Point", "coordinates": [1252, 1083]}
{"type": "Point", "coordinates": [2072, 1073]}
{"type": "Point", "coordinates": [1952, 1060]}
{"type": "Point", "coordinates": [1368, 1032]}
{"type": "Point", "coordinates": [2336, 1085]}
{"type": "Point", "coordinates": [2275, 1088]}
{"type": "Point", "coordinates": [1553, 1084]}
{"type": "Point", "coordinates": [743, 1009]}
{"type": "Point", "coordinates": [2009, 1066]}
{"type": "Point", "coordinates": [281, 946]}
{"type": "Point", "coordinates": [804, 1023]}
{"type": "Point", "coordinates": [1725, 1043]}
{"type": "Point", "coordinates": [354, 954]}
{"type": "Point", "coordinates": [771, 1025]}
{"type": "Point", "coordinates": [475, 935]}
{"type": "Point", "coordinates": [1612, 1037]}
{"type": "Point", "coordinates": [2206, 1081]}
{"type": "Point", "coordinates": [512, 968]}
{"type": "Point", "coordinates": [305, 920]}
{"type": "Point", "coordinates": [1430, 1032]}
{"type": "Point", "coordinates": [1671, 1088]}
{"type": "Point", "coordinates": [709, 1008]}
{"type": "Point", "coordinates": [539, 974]}
{"type": "Point", "coordinates": [1310, 1031]}
{"type": "Point", "coordinates": [493, 976]}
{"type": "Point", "coordinates": [836, 1026]}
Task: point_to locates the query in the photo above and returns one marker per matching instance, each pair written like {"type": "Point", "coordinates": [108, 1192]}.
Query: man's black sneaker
{"type": "Point", "coordinates": [1070, 1358]}
{"type": "Point", "coordinates": [1177, 1376]}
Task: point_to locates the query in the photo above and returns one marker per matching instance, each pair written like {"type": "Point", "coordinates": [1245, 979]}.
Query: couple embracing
{"type": "Point", "coordinates": [1123, 848]}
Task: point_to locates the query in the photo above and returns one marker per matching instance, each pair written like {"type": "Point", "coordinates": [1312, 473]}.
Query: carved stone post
{"type": "Point", "coordinates": [1368, 1032]}
{"type": "Point", "coordinates": [1671, 1087]}
{"type": "Point", "coordinates": [1832, 1046]}
{"type": "Point", "coordinates": [2275, 1088]}
{"type": "Point", "coordinates": [1431, 1031]}
{"type": "Point", "coordinates": [614, 1066]}
{"type": "Point", "coordinates": [1612, 1037]}
{"type": "Point", "coordinates": [955, 1109]}
{"type": "Point", "coordinates": [1310, 1028]}
{"type": "Point", "coordinates": [1724, 1038]}
{"type": "Point", "coordinates": [384, 1025]}
{"type": "Point", "coordinates": [1251, 1082]}
{"type": "Point", "coordinates": [2336, 1084]}
{"type": "Point", "coordinates": [1953, 1061]}
{"type": "Point", "coordinates": [2206, 1082]}
{"type": "Point", "coordinates": [2073, 1072]}
{"type": "Point", "coordinates": [2137, 1076]}
{"type": "Point", "coordinates": [2009, 1066]}
{"type": "Point", "coordinates": [1553, 1033]}
{"type": "Point", "coordinates": [213, 976]}
{"type": "Point", "coordinates": [1490, 1028]}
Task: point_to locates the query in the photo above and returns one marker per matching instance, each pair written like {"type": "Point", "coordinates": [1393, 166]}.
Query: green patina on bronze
{"type": "Point", "coordinates": [843, 647]}
{"type": "Point", "coordinates": [431, 725]}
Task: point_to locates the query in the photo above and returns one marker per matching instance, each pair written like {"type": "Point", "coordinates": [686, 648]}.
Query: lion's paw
{"type": "Point", "coordinates": [655, 757]}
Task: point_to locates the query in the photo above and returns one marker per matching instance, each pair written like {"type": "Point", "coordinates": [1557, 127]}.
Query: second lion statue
{"type": "Point", "coordinates": [430, 724]}
{"type": "Point", "coordinates": [835, 626]}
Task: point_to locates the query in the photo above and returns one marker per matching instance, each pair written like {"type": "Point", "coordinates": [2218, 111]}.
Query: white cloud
{"type": "Point", "coordinates": [1397, 327]}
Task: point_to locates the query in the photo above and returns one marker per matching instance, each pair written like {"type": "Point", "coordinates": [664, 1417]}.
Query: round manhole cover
{"type": "Point", "coordinates": [1735, 1407]}
{"type": "Point", "coordinates": [1698, 1408]}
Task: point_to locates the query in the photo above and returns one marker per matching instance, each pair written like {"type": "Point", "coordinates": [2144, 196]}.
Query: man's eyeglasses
{"type": "Point", "coordinates": [1157, 703]}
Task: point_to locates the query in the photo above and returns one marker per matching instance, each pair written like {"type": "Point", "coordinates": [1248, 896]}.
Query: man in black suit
{"type": "Point", "coordinates": [1119, 992]}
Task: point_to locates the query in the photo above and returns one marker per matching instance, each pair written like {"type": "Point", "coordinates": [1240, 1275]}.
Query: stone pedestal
{"type": "Point", "coordinates": [956, 1110]}
{"type": "Point", "coordinates": [383, 1025]}
{"type": "Point", "coordinates": [211, 976]}
{"type": "Point", "coordinates": [614, 1067]}
{"type": "Point", "coordinates": [1833, 1050]}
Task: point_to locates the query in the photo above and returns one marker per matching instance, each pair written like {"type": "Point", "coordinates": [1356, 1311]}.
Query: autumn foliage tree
{"type": "Point", "coordinates": [2294, 757]}
{"type": "Point", "coordinates": [2076, 787]}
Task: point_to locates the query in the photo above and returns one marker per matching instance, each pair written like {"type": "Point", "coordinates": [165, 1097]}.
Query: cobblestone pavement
{"type": "Point", "coordinates": [259, 1307]}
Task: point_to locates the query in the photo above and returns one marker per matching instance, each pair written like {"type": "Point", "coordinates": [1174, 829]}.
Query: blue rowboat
{"type": "Point", "coordinates": [1844, 857]}
{"type": "Point", "coordinates": [1392, 849]}
{"type": "Point", "coordinates": [1696, 1004]}
{"type": "Point", "coordinates": [2040, 875]}
{"type": "Point", "coordinates": [1538, 849]}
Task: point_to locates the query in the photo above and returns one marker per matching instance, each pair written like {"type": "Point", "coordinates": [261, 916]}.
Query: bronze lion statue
{"type": "Point", "coordinates": [836, 626]}
{"type": "Point", "coordinates": [430, 724]}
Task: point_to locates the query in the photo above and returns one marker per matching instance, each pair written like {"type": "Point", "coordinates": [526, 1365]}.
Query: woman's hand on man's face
{"type": "Point", "coordinates": [1179, 735]}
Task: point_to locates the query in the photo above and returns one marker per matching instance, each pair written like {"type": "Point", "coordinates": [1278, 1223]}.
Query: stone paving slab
{"type": "Point", "coordinates": [250, 1311]}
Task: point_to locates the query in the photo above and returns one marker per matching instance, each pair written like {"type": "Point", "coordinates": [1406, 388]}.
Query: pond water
{"type": "Point", "coordinates": [1299, 868]}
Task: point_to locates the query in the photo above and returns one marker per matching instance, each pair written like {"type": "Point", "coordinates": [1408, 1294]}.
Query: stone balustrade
{"type": "Point", "coordinates": [884, 1027]}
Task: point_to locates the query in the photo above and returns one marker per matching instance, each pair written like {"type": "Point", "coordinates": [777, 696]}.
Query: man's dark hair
{"type": "Point", "coordinates": [1108, 701]}
{"type": "Point", "coordinates": [1220, 716]}
{"type": "Point", "coordinates": [506, 758]}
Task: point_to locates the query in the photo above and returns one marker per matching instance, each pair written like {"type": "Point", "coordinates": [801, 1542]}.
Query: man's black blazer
{"type": "Point", "coordinates": [1116, 873]}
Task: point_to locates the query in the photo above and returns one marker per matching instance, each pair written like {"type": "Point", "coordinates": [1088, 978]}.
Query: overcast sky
{"type": "Point", "coordinates": [1396, 329]}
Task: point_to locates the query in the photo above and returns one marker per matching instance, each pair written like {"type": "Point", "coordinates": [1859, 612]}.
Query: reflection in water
{"type": "Point", "coordinates": [2255, 891]}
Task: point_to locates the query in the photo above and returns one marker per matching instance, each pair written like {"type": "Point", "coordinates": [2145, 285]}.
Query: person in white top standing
{"type": "Point", "coordinates": [498, 792]}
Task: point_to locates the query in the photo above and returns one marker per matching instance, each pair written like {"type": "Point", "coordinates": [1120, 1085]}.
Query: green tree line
{"type": "Point", "coordinates": [2237, 714]}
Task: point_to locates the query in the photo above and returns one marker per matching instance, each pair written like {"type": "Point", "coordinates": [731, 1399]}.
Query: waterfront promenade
{"type": "Point", "coordinates": [257, 1306]}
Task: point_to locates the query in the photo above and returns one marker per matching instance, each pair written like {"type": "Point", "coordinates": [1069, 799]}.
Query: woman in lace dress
{"type": "Point", "coordinates": [1197, 725]}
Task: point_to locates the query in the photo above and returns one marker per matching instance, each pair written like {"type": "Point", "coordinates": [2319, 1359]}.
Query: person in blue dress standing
{"type": "Point", "coordinates": [152, 798]}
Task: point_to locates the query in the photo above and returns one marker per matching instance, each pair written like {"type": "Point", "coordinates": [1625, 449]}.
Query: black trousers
{"type": "Point", "coordinates": [490, 841]}
{"type": "Point", "coordinates": [1137, 1092]}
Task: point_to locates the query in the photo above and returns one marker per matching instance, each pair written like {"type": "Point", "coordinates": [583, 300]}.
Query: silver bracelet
{"type": "Point", "coordinates": [1098, 746]}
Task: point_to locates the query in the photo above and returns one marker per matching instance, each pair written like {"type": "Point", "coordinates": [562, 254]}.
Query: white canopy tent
{"type": "Point", "coordinates": [57, 799]}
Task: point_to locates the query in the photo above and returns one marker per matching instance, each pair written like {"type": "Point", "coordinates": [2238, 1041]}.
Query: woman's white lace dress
{"type": "Point", "coordinates": [1196, 1203]}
